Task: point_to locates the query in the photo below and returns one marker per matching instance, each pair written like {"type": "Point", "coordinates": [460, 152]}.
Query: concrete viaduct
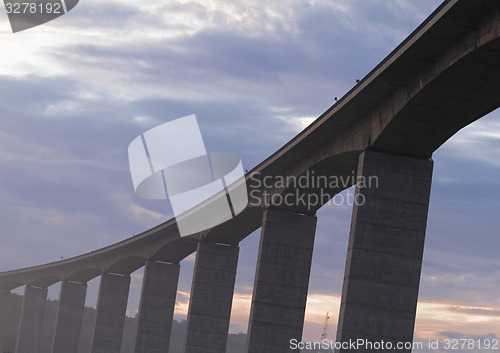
{"type": "Point", "coordinates": [444, 76]}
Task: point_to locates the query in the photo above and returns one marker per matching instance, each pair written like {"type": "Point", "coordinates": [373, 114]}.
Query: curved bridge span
{"type": "Point", "coordinates": [444, 76]}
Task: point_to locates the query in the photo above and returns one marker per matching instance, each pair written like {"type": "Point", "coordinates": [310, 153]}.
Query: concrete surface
{"type": "Point", "coordinates": [281, 281]}
{"type": "Point", "coordinates": [4, 307]}
{"type": "Point", "coordinates": [384, 256]}
{"type": "Point", "coordinates": [111, 310]}
{"type": "Point", "coordinates": [156, 310]}
{"type": "Point", "coordinates": [69, 317]}
{"type": "Point", "coordinates": [211, 298]}
{"type": "Point", "coordinates": [30, 326]}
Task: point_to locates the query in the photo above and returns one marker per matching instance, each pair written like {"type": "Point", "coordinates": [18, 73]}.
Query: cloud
{"type": "Point", "coordinates": [181, 304]}
{"type": "Point", "coordinates": [478, 142]}
{"type": "Point", "coordinates": [60, 173]}
{"type": "Point", "coordinates": [434, 318]}
{"type": "Point", "coordinates": [459, 335]}
{"type": "Point", "coordinates": [77, 90]}
{"type": "Point", "coordinates": [475, 311]}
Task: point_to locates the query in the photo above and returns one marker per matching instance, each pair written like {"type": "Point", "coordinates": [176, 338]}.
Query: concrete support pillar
{"type": "Point", "coordinates": [386, 243]}
{"type": "Point", "coordinates": [111, 311]}
{"type": "Point", "coordinates": [281, 281]}
{"type": "Point", "coordinates": [69, 317]}
{"type": "Point", "coordinates": [30, 326]}
{"type": "Point", "coordinates": [4, 308]}
{"type": "Point", "coordinates": [156, 310]}
{"type": "Point", "coordinates": [211, 298]}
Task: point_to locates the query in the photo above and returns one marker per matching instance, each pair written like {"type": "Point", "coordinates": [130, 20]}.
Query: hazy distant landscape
{"type": "Point", "coordinates": [235, 343]}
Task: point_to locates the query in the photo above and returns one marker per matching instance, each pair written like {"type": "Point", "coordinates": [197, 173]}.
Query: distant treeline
{"type": "Point", "coordinates": [235, 344]}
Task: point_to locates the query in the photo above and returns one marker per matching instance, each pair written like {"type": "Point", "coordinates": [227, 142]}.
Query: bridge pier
{"type": "Point", "coordinates": [32, 314]}
{"type": "Point", "coordinates": [69, 317]}
{"type": "Point", "coordinates": [281, 281]}
{"type": "Point", "coordinates": [384, 257]}
{"type": "Point", "coordinates": [4, 308]}
{"type": "Point", "coordinates": [111, 311]}
{"type": "Point", "coordinates": [211, 297]}
{"type": "Point", "coordinates": [156, 310]}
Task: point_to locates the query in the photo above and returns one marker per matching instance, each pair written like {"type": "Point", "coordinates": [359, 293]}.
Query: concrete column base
{"type": "Point", "coordinates": [156, 310]}
{"type": "Point", "coordinates": [281, 281]}
{"type": "Point", "coordinates": [111, 311]}
{"type": "Point", "coordinates": [384, 257]}
{"type": "Point", "coordinates": [30, 326]}
{"type": "Point", "coordinates": [211, 298]}
{"type": "Point", "coordinates": [69, 317]}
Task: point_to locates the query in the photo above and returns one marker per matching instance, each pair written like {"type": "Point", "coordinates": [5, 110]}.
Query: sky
{"type": "Point", "coordinates": [76, 91]}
